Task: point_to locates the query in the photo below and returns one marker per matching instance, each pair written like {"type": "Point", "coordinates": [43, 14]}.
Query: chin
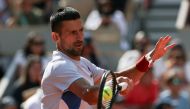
{"type": "Point", "coordinates": [78, 53]}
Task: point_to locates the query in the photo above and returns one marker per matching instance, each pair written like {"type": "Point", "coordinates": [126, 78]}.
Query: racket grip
{"type": "Point", "coordinates": [123, 86]}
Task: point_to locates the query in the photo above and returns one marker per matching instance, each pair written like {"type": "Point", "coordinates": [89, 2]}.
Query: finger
{"type": "Point", "coordinates": [167, 40]}
{"type": "Point", "coordinates": [159, 42]}
{"type": "Point", "coordinates": [162, 42]}
{"type": "Point", "coordinates": [124, 79]}
{"type": "Point", "coordinates": [121, 79]}
{"type": "Point", "coordinates": [169, 47]}
{"type": "Point", "coordinates": [166, 37]}
{"type": "Point", "coordinates": [129, 81]}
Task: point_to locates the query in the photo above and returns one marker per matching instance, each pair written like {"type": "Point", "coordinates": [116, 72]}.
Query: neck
{"type": "Point", "coordinates": [77, 58]}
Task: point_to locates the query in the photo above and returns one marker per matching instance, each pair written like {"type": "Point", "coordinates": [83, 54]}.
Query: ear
{"type": "Point", "coordinates": [54, 36]}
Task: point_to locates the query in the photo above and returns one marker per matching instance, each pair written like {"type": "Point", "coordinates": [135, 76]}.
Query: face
{"type": "Point", "coordinates": [177, 58]}
{"type": "Point", "coordinates": [70, 40]}
{"type": "Point", "coordinates": [106, 6]}
{"type": "Point", "coordinates": [37, 46]}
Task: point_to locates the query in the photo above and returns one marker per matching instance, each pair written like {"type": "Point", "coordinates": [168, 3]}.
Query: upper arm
{"type": "Point", "coordinates": [67, 77]}
{"type": "Point", "coordinates": [63, 75]}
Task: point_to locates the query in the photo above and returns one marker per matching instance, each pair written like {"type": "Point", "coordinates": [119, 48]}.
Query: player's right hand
{"type": "Point", "coordinates": [124, 80]}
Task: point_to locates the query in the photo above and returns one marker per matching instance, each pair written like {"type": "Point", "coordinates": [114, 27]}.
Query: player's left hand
{"type": "Point", "coordinates": [161, 48]}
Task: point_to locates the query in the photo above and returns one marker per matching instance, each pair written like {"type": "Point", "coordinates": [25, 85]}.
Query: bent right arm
{"type": "Point", "coordinates": [89, 93]}
{"type": "Point", "coordinates": [85, 91]}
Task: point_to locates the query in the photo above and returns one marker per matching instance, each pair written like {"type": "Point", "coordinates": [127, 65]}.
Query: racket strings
{"type": "Point", "coordinates": [110, 83]}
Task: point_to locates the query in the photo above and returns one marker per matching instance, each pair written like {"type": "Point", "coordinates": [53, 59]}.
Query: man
{"type": "Point", "coordinates": [71, 81]}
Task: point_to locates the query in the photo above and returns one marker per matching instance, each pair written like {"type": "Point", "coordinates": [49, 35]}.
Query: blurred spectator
{"type": "Point", "coordinates": [120, 5]}
{"type": "Point", "coordinates": [179, 71]}
{"type": "Point", "coordinates": [89, 51]}
{"type": "Point", "coordinates": [141, 42]}
{"type": "Point", "coordinates": [104, 15]}
{"type": "Point", "coordinates": [29, 15]}
{"type": "Point", "coordinates": [8, 102]}
{"type": "Point", "coordinates": [164, 106]}
{"type": "Point", "coordinates": [175, 94]}
{"type": "Point", "coordinates": [30, 78]}
{"type": "Point", "coordinates": [34, 45]}
{"type": "Point", "coordinates": [5, 13]}
{"type": "Point", "coordinates": [176, 58]}
{"type": "Point", "coordinates": [34, 102]}
{"type": "Point", "coordinates": [140, 46]}
{"type": "Point", "coordinates": [46, 6]}
{"type": "Point", "coordinates": [144, 94]}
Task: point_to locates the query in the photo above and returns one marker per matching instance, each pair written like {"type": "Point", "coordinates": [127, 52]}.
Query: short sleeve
{"type": "Point", "coordinates": [97, 72]}
{"type": "Point", "coordinates": [64, 74]}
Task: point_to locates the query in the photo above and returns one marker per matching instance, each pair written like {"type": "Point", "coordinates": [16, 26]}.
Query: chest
{"type": "Point", "coordinates": [85, 72]}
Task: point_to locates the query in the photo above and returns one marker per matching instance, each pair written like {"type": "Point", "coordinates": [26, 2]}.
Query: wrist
{"type": "Point", "coordinates": [149, 58]}
{"type": "Point", "coordinates": [144, 63]}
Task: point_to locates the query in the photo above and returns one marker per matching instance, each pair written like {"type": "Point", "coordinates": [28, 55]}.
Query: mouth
{"type": "Point", "coordinates": [79, 44]}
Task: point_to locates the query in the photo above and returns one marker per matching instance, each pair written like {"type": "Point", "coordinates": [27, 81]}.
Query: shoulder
{"type": "Point", "coordinates": [83, 59]}
{"type": "Point", "coordinates": [165, 94]}
{"type": "Point", "coordinates": [62, 64]}
{"type": "Point", "coordinates": [118, 14]}
{"type": "Point", "coordinates": [86, 61]}
{"type": "Point", "coordinates": [184, 94]}
{"type": "Point", "coordinates": [60, 67]}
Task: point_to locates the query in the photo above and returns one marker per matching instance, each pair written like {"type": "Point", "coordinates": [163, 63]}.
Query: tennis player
{"type": "Point", "coordinates": [71, 81]}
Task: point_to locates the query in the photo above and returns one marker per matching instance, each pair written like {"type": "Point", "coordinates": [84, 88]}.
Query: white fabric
{"type": "Point", "coordinates": [128, 59]}
{"type": "Point", "coordinates": [94, 21]}
{"type": "Point", "coordinates": [60, 73]}
{"type": "Point", "coordinates": [34, 102]}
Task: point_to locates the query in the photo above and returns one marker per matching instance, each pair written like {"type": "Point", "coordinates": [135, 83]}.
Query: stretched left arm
{"type": "Point", "coordinates": [136, 71]}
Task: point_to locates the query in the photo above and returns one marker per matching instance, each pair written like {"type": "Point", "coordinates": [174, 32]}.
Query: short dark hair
{"type": "Point", "coordinates": [63, 14]}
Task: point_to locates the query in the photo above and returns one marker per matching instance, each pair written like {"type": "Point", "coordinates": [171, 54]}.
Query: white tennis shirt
{"type": "Point", "coordinates": [59, 74]}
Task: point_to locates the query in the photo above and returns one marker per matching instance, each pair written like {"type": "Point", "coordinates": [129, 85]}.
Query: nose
{"type": "Point", "coordinates": [79, 36]}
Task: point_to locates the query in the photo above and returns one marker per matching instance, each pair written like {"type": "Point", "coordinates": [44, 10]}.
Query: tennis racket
{"type": "Point", "coordinates": [108, 77]}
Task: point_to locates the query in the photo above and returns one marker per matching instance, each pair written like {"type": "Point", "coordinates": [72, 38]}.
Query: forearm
{"type": "Point", "coordinates": [85, 91]}
{"type": "Point", "coordinates": [91, 94]}
{"type": "Point", "coordinates": [136, 71]}
{"type": "Point", "coordinates": [131, 73]}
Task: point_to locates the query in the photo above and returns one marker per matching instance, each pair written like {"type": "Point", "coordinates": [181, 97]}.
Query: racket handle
{"type": "Point", "coordinates": [123, 86]}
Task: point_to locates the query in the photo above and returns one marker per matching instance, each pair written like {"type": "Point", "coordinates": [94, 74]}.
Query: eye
{"type": "Point", "coordinates": [81, 30]}
{"type": "Point", "coordinates": [73, 32]}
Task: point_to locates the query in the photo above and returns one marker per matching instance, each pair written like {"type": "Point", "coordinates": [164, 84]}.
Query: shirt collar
{"type": "Point", "coordinates": [58, 55]}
